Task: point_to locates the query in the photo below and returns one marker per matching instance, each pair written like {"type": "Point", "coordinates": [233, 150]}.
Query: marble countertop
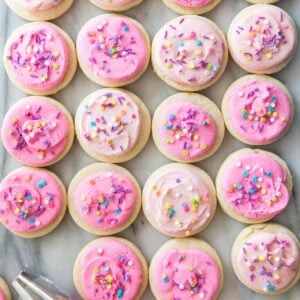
{"type": "Point", "coordinates": [53, 255]}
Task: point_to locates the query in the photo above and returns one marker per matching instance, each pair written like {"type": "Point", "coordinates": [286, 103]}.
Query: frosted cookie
{"type": "Point", "coordinates": [189, 53]}
{"type": "Point", "coordinates": [37, 131]}
{"type": "Point", "coordinates": [262, 1]}
{"type": "Point", "coordinates": [112, 125]}
{"type": "Point", "coordinates": [116, 5]}
{"type": "Point", "coordinates": [262, 39]}
{"type": "Point", "coordinates": [40, 58]}
{"type": "Point", "coordinates": [266, 258]}
{"type": "Point", "coordinates": [187, 127]}
{"type": "Point", "coordinates": [179, 200]}
{"type": "Point", "coordinates": [186, 269]}
{"type": "Point", "coordinates": [32, 202]}
{"type": "Point", "coordinates": [253, 185]}
{"type": "Point", "coordinates": [191, 7]}
{"type": "Point", "coordinates": [39, 10]}
{"type": "Point", "coordinates": [104, 199]}
{"type": "Point", "coordinates": [4, 290]}
{"type": "Point", "coordinates": [257, 109]}
{"type": "Point", "coordinates": [110, 268]}
{"type": "Point", "coordinates": [113, 50]}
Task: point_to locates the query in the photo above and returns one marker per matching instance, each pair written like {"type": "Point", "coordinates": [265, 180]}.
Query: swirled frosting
{"type": "Point", "coordinates": [186, 274]}
{"type": "Point", "coordinates": [188, 50]}
{"type": "Point", "coordinates": [37, 5]}
{"type": "Point", "coordinates": [37, 56]}
{"type": "Point", "coordinates": [178, 201]}
{"type": "Point", "coordinates": [263, 38]}
{"type": "Point", "coordinates": [30, 200]}
{"type": "Point", "coordinates": [113, 48]}
{"type": "Point", "coordinates": [192, 3]}
{"type": "Point", "coordinates": [109, 122]}
{"type": "Point", "coordinates": [254, 186]}
{"type": "Point", "coordinates": [35, 131]}
{"type": "Point", "coordinates": [110, 270]}
{"type": "Point", "coordinates": [105, 200]}
{"type": "Point", "coordinates": [186, 130]}
{"type": "Point", "coordinates": [268, 262]}
{"type": "Point", "coordinates": [259, 111]}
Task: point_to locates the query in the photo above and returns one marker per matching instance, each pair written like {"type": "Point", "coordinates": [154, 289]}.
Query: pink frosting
{"type": "Point", "coordinates": [105, 200]}
{"type": "Point", "coordinates": [112, 47]}
{"type": "Point", "coordinates": [114, 128]}
{"type": "Point", "coordinates": [264, 38]}
{"type": "Point", "coordinates": [115, 3]}
{"type": "Point", "coordinates": [35, 131]}
{"type": "Point", "coordinates": [110, 270]}
{"type": "Point", "coordinates": [254, 186]}
{"type": "Point", "coordinates": [268, 262]}
{"type": "Point", "coordinates": [178, 201]}
{"type": "Point", "coordinates": [30, 200]}
{"type": "Point", "coordinates": [38, 57]}
{"type": "Point", "coordinates": [186, 274]}
{"type": "Point", "coordinates": [2, 296]}
{"type": "Point", "coordinates": [186, 130]}
{"type": "Point", "coordinates": [37, 5]}
{"type": "Point", "coordinates": [188, 50]}
{"type": "Point", "coordinates": [192, 3]}
{"type": "Point", "coordinates": [259, 111]}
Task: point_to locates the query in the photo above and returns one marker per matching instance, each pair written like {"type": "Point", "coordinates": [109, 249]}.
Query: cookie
{"type": "Point", "coordinates": [110, 268]}
{"type": "Point", "coordinates": [40, 58]}
{"type": "Point", "coordinates": [262, 39]}
{"type": "Point", "coordinates": [32, 202]}
{"type": "Point", "coordinates": [187, 127]}
{"type": "Point", "coordinates": [189, 53]}
{"type": "Point", "coordinates": [266, 258]}
{"type": "Point", "coordinates": [38, 131]}
{"type": "Point", "coordinates": [257, 109]}
{"type": "Point", "coordinates": [116, 5]}
{"type": "Point", "coordinates": [39, 10]}
{"type": "Point", "coordinates": [184, 269]}
{"type": "Point", "coordinates": [116, 132]}
{"type": "Point", "coordinates": [179, 200]}
{"type": "Point", "coordinates": [113, 50]}
{"type": "Point", "coordinates": [192, 7]}
{"type": "Point", "coordinates": [104, 199]}
{"type": "Point", "coordinates": [253, 185]}
{"type": "Point", "coordinates": [4, 290]}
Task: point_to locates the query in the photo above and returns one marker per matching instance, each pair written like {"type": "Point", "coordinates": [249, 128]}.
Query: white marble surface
{"type": "Point", "coordinates": [54, 255]}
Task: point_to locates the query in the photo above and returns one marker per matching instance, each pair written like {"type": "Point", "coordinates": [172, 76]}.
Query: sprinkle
{"type": "Point", "coordinates": [41, 184]}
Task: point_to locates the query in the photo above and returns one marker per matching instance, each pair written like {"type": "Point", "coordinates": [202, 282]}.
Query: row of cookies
{"type": "Point", "coordinates": [34, 10]}
{"type": "Point", "coordinates": [265, 258]}
{"type": "Point", "coordinates": [179, 200]}
{"type": "Point", "coordinates": [113, 125]}
{"type": "Point", "coordinates": [189, 53]}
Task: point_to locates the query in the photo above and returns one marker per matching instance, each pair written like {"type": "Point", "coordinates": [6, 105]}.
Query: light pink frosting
{"type": "Point", "coordinates": [2, 296]}
{"type": "Point", "coordinates": [30, 200]}
{"type": "Point", "coordinates": [38, 57]}
{"type": "Point", "coordinates": [105, 200]}
{"type": "Point", "coordinates": [186, 130]}
{"type": "Point", "coordinates": [110, 270]}
{"type": "Point", "coordinates": [188, 50]}
{"type": "Point", "coordinates": [109, 122]}
{"type": "Point", "coordinates": [37, 5]}
{"type": "Point", "coordinates": [112, 47]}
{"type": "Point", "coordinates": [268, 262]}
{"type": "Point", "coordinates": [186, 274]}
{"type": "Point", "coordinates": [192, 3]}
{"type": "Point", "coordinates": [178, 201]}
{"type": "Point", "coordinates": [254, 186]}
{"type": "Point", "coordinates": [263, 39]}
{"type": "Point", "coordinates": [35, 131]}
{"type": "Point", "coordinates": [260, 111]}
{"type": "Point", "coordinates": [115, 3]}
